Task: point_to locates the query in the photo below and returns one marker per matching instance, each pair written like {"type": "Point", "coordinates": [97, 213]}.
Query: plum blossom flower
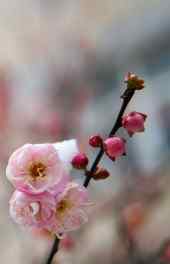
{"type": "Point", "coordinates": [35, 168]}
{"type": "Point", "coordinates": [32, 210]}
{"type": "Point", "coordinates": [71, 209]}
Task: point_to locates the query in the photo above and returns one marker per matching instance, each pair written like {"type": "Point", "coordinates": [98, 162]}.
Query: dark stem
{"type": "Point", "coordinates": [127, 96]}
{"type": "Point", "coordinates": [126, 99]}
{"type": "Point", "coordinates": [53, 251]}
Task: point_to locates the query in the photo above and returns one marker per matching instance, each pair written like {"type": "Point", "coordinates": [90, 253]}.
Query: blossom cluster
{"type": "Point", "coordinates": [45, 195]}
{"type": "Point", "coordinates": [113, 146]}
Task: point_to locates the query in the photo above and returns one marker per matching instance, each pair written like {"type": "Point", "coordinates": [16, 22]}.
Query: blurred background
{"type": "Point", "coordinates": [62, 64]}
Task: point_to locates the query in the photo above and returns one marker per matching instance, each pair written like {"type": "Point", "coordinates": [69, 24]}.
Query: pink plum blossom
{"type": "Point", "coordinates": [32, 210]}
{"type": "Point", "coordinates": [71, 209]}
{"type": "Point", "coordinates": [35, 168]}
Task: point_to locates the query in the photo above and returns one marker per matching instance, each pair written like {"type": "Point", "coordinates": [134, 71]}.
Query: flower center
{"type": "Point", "coordinates": [37, 171]}
{"type": "Point", "coordinates": [62, 207]}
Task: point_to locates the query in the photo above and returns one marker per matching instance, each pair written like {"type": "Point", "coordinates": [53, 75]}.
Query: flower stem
{"type": "Point", "coordinates": [53, 251]}
{"type": "Point", "coordinates": [127, 96]}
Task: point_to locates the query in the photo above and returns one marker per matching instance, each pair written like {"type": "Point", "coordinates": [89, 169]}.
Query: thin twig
{"type": "Point", "coordinates": [53, 251]}
{"type": "Point", "coordinates": [127, 96]}
{"type": "Point", "coordinates": [126, 99]}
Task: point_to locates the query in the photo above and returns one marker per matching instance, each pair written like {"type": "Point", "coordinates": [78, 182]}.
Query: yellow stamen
{"type": "Point", "coordinates": [37, 171]}
{"type": "Point", "coordinates": [63, 206]}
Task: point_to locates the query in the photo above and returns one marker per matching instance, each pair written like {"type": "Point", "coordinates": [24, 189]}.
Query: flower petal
{"type": "Point", "coordinates": [32, 210]}
{"type": "Point", "coordinates": [67, 150]}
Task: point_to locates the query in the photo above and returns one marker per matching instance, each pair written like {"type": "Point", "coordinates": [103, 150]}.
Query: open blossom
{"type": "Point", "coordinates": [35, 168]}
{"type": "Point", "coordinates": [71, 209]}
{"type": "Point", "coordinates": [45, 196]}
{"type": "Point", "coordinates": [32, 210]}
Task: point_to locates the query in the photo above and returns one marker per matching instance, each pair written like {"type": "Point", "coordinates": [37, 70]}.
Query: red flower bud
{"type": "Point", "coordinates": [80, 161]}
{"type": "Point", "coordinates": [100, 174]}
{"type": "Point", "coordinates": [114, 147]}
{"type": "Point", "coordinates": [134, 122]}
{"type": "Point", "coordinates": [134, 82]}
{"type": "Point", "coordinates": [95, 141]}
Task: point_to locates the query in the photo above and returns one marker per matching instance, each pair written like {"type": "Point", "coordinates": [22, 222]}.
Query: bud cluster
{"type": "Point", "coordinates": [114, 146]}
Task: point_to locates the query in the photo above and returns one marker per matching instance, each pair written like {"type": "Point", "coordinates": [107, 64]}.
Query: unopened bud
{"type": "Point", "coordinates": [134, 82]}
{"type": "Point", "coordinates": [114, 147]}
{"type": "Point", "coordinates": [100, 174]}
{"type": "Point", "coordinates": [80, 161]}
{"type": "Point", "coordinates": [95, 141]}
{"type": "Point", "coordinates": [134, 122]}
